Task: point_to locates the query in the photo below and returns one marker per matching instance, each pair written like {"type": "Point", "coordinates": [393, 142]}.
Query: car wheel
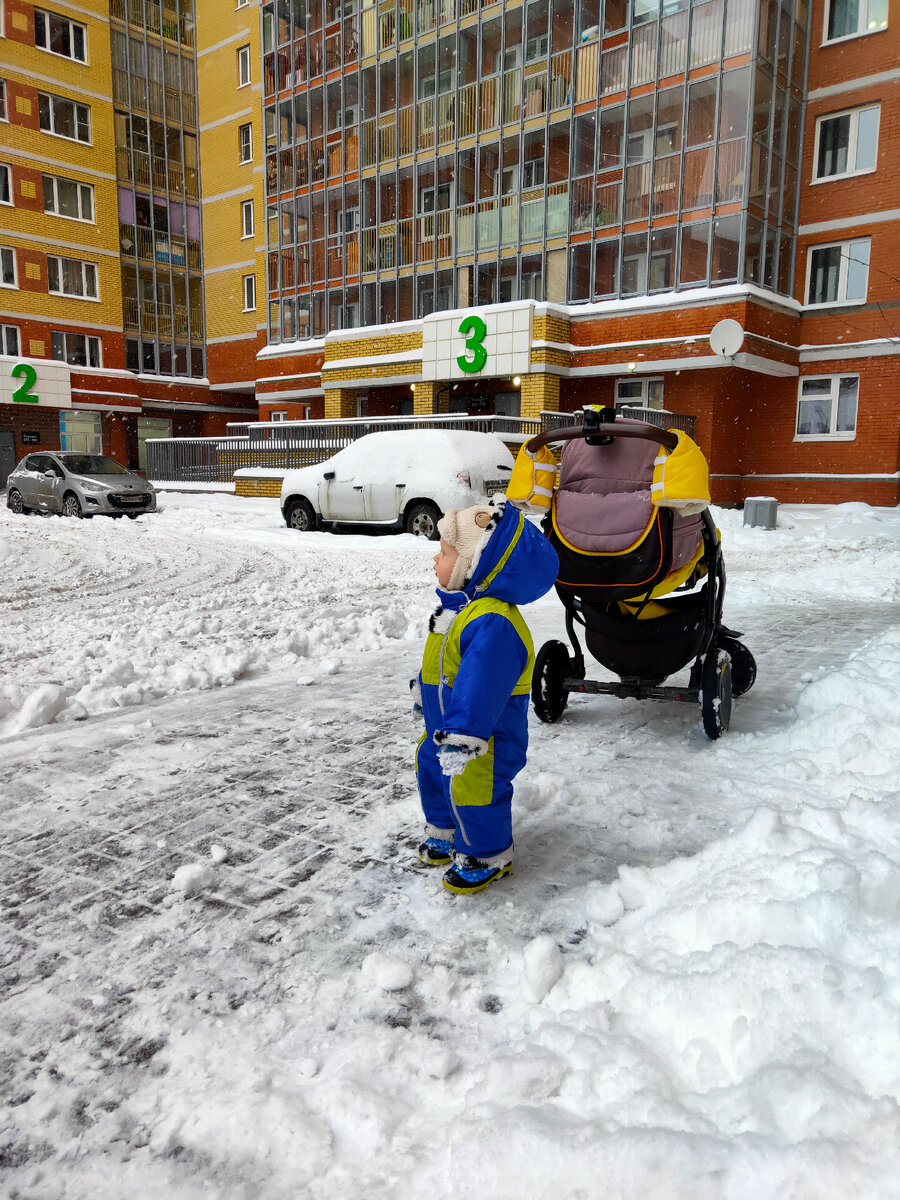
{"type": "Point", "coordinates": [132, 516]}
{"type": "Point", "coordinates": [300, 515]}
{"type": "Point", "coordinates": [422, 521]}
{"type": "Point", "coordinates": [70, 506]}
{"type": "Point", "coordinates": [14, 502]}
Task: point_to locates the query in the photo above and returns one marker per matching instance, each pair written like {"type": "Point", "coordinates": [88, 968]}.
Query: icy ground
{"type": "Point", "coordinates": [223, 974]}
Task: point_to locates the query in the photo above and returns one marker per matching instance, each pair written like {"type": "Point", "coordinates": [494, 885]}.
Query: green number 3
{"type": "Point", "coordinates": [475, 331]}
{"type": "Point", "coordinates": [22, 394]}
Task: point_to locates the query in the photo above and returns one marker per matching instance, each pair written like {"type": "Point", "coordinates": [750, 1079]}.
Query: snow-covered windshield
{"type": "Point", "coordinates": [92, 464]}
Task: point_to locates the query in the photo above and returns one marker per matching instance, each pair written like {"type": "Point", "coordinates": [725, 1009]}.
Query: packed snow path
{"type": "Point", "coordinates": [224, 975]}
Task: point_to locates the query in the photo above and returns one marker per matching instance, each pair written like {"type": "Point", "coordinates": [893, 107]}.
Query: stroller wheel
{"type": "Point", "coordinates": [743, 665]}
{"type": "Point", "coordinates": [715, 693]}
{"type": "Point", "coordinates": [548, 694]}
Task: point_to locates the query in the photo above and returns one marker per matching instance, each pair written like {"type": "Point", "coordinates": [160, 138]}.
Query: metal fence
{"type": "Point", "coordinates": [280, 445]}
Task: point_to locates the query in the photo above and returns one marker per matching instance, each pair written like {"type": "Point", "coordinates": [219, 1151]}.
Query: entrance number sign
{"type": "Point", "coordinates": [474, 331]}
{"type": "Point", "coordinates": [23, 394]}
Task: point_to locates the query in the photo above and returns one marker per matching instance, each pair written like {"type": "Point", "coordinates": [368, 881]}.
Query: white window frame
{"type": "Point", "coordinates": [854, 114]}
{"type": "Point", "coordinates": [73, 25]}
{"type": "Point", "coordinates": [54, 211]}
{"type": "Point", "coordinates": [248, 288]}
{"type": "Point", "coordinates": [281, 415]}
{"type": "Point", "coordinates": [6, 188]}
{"type": "Point", "coordinates": [76, 105]}
{"type": "Point", "coordinates": [5, 332]}
{"type": "Point", "coordinates": [89, 343]}
{"type": "Point", "coordinates": [647, 383]}
{"type": "Point", "coordinates": [8, 254]}
{"type": "Point", "coordinates": [847, 253]}
{"type": "Point", "coordinates": [87, 269]}
{"type": "Point", "coordinates": [248, 228]}
{"type": "Point", "coordinates": [4, 116]}
{"type": "Point", "coordinates": [833, 434]}
{"type": "Point", "coordinates": [80, 431]}
{"type": "Point", "coordinates": [862, 29]}
{"type": "Point", "coordinates": [244, 67]}
{"type": "Point", "coordinates": [242, 158]}
{"type": "Point", "coordinates": [242, 3]}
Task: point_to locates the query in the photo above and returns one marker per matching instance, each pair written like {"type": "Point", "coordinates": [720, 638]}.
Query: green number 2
{"type": "Point", "coordinates": [475, 331]}
{"type": "Point", "coordinates": [22, 394]}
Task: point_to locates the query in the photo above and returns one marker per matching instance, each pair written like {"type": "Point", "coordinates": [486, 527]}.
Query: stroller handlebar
{"type": "Point", "coordinates": [635, 429]}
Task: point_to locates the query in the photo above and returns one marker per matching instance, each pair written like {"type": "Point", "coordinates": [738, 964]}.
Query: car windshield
{"type": "Point", "coordinates": [92, 464]}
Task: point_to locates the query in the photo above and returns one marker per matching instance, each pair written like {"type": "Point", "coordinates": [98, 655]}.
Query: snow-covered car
{"type": "Point", "coordinates": [405, 478]}
{"type": "Point", "coordinates": [78, 485]}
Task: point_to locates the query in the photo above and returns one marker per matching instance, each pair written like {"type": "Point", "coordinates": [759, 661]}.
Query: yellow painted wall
{"type": "Point", "coordinates": [25, 225]}
{"type": "Point", "coordinates": [223, 107]}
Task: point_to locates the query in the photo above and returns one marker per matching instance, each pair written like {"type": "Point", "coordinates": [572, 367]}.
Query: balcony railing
{"type": "Point", "coordinates": [164, 249]}
{"type": "Point", "coordinates": [147, 170]}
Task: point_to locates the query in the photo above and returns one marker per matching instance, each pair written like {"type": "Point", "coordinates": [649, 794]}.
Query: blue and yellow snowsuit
{"type": "Point", "coordinates": [475, 682]}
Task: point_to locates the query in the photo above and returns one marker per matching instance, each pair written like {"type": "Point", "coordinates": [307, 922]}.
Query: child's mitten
{"type": "Point", "coordinates": [416, 693]}
{"type": "Point", "coordinates": [455, 759]}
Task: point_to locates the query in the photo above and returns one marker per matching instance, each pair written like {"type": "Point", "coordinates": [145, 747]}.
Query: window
{"type": "Point", "coordinates": [60, 35]}
{"type": "Point", "coordinates": [847, 143]}
{"type": "Point", "coordinates": [3, 114]}
{"type": "Point", "coordinates": [247, 219]}
{"type": "Point", "coordinates": [81, 431]}
{"type": "Point", "coordinates": [826, 407]}
{"type": "Point", "coordinates": [838, 273]}
{"type": "Point", "coordinates": [5, 184]}
{"type": "Point", "coordinates": [7, 267]}
{"type": "Point", "coordinates": [639, 393]}
{"type": "Point", "coordinates": [64, 117]}
{"type": "Point", "coordinates": [850, 18]}
{"type": "Point", "coordinates": [71, 277]}
{"type": "Point", "coordinates": [242, 3]}
{"type": "Point", "coordinates": [245, 142]}
{"type": "Point", "coordinates": [278, 416]}
{"type": "Point", "coordinates": [249, 293]}
{"type": "Point", "coordinates": [76, 349]}
{"type": "Point", "coordinates": [67, 198]}
{"type": "Point", "coordinates": [9, 340]}
{"type": "Point", "coordinates": [243, 58]}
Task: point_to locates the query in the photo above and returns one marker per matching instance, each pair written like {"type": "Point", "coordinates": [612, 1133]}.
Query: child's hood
{"type": "Point", "coordinates": [517, 565]}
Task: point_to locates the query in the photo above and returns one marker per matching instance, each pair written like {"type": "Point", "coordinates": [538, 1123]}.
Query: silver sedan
{"type": "Point", "coordinates": [78, 485]}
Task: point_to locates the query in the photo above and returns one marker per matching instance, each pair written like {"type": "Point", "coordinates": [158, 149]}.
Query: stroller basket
{"type": "Point", "coordinates": [629, 537]}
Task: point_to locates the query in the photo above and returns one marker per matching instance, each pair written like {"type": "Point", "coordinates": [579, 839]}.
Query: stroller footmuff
{"type": "Point", "coordinates": [629, 520]}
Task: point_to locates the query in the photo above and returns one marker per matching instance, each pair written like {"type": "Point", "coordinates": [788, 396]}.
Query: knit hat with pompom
{"type": "Point", "coordinates": [468, 531]}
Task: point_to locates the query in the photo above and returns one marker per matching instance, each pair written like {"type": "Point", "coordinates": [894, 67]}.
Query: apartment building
{"type": "Point", "coordinates": [234, 234]}
{"type": "Point", "coordinates": [308, 208]}
{"type": "Point", "coordinates": [521, 207]}
{"type": "Point", "coordinates": [101, 305]}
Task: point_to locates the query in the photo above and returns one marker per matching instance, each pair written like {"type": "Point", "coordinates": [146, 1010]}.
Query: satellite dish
{"type": "Point", "coordinates": [726, 337]}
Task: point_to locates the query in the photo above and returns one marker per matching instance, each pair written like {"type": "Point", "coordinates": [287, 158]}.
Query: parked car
{"type": "Point", "coordinates": [407, 479]}
{"type": "Point", "coordinates": [78, 485]}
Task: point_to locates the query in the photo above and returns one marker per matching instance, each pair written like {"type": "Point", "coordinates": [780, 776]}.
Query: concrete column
{"type": "Point", "coordinates": [339, 402]}
{"type": "Point", "coordinates": [423, 397]}
{"type": "Point", "coordinates": [539, 392]}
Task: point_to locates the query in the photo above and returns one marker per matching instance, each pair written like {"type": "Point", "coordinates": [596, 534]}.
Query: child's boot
{"type": "Point", "coordinates": [437, 849]}
{"type": "Point", "coordinates": [469, 874]}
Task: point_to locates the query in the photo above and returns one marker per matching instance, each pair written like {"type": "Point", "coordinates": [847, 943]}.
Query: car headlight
{"type": "Point", "coordinates": [90, 486]}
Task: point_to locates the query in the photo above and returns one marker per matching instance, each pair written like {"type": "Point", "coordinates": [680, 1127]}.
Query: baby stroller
{"type": "Point", "coordinates": [631, 525]}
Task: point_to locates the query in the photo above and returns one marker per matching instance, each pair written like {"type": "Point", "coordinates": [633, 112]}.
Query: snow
{"type": "Point", "coordinates": [224, 974]}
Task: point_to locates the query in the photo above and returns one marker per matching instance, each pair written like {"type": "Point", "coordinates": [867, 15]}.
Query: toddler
{"type": "Point", "coordinates": [473, 689]}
